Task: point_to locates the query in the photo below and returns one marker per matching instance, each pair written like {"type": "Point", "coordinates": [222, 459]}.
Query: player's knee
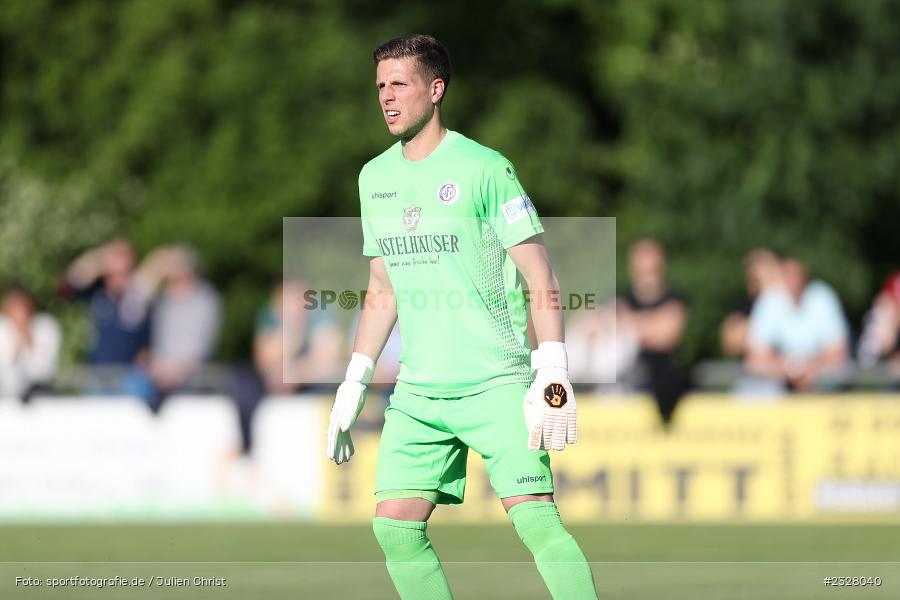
{"type": "Point", "coordinates": [401, 540]}
{"type": "Point", "coordinates": [539, 526]}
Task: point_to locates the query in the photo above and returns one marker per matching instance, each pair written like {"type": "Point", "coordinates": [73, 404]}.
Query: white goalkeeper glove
{"type": "Point", "coordinates": [348, 402]}
{"type": "Point", "coordinates": [550, 413]}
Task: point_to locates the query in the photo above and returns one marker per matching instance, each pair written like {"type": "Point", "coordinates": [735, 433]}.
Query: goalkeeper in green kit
{"type": "Point", "coordinates": [451, 236]}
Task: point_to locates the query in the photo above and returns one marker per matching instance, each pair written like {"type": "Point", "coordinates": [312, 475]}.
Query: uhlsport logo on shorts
{"type": "Point", "coordinates": [555, 395]}
{"type": "Point", "coordinates": [531, 479]}
{"type": "Point", "coordinates": [411, 217]}
{"type": "Point", "coordinates": [448, 193]}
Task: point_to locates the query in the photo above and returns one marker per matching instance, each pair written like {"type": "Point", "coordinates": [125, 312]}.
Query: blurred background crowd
{"type": "Point", "coordinates": [154, 325]}
{"type": "Point", "coordinates": [747, 149]}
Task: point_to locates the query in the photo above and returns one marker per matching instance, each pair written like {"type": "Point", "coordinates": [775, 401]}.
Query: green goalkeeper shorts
{"type": "Point", "coordinates": [425, 444]}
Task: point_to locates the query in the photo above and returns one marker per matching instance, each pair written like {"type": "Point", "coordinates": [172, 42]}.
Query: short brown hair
{"type": "Point", "coordinates": [432, 56]}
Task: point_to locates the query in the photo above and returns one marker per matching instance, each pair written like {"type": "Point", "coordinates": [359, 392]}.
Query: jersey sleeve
{"type": "Point", "coordinates": [506, 206]}
{"type": "Point", "coordinates": [370, 243]}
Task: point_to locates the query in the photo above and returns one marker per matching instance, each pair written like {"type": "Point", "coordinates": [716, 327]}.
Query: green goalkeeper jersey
{"type": "Point", "coordinates": [442, 225]}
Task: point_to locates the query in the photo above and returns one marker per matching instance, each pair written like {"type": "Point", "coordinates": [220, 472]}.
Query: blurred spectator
{"type": "Point", "coordinates": [762, 272]}
{"type": "Point", "coordinates": [294, 349]}
{"type": "Point", "coordinates": [880, 340]}
{"type": "Point", "coordinates": [798, 336]}
{"type": "Point", "coordinates": [658, 315]}
{"type": "Point", "coordinates": [29, 346]}
{"type": "Point", "coordinates": [118, 311]}
{"type": "Point", "coordinates": [602, 348]}
{"type": "Point", "coordinates": [295, 346]}
{"type": "Point", "coordinates": [185, 322]}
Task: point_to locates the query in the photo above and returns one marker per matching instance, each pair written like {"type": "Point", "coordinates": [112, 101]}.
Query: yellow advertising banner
{"type": "Point", "coordinates": [833, 457]}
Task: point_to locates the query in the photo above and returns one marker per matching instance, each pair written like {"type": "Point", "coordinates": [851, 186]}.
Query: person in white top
{"type": "Point", "coordinates": [798, 334]}
{"type": "Point", "coordinates": [29, 345]}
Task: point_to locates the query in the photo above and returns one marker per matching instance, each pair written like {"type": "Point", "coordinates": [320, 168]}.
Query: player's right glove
{"type": "Point", "coordinates": [348, 402]}
{"type": "Point", "coordinates": [550, 413]}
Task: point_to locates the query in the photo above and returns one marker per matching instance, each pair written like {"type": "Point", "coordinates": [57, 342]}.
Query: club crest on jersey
{"type": "Point", "coordinates": [555, 395]}
{"type": "Point", "coordinates": [448, 193]}
{"type": "Point", "coordinates": [411, 217]}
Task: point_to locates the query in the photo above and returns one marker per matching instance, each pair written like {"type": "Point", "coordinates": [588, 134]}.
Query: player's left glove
{"type": "Point", "coordinates": [348, 403]}
{"type": "Point", "coordinates": [550, 413]}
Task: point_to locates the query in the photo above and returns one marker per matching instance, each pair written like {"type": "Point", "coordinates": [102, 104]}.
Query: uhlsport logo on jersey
{"type": "Point", "coordinates": [517, 208]}
{"type": "Point", "coordinates": [555, 395]}
{"type": "Point", "coordinates": [411, 217]}
{"type": "Point", "coordinates": [448, 193]}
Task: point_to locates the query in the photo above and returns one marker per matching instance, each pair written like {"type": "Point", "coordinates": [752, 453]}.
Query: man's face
{"type": "Point", "coordinates": [762, 269]}
{"type": "Point", "coordinates": [647, 265]}
{"type": "Point", "coordinates": [17, 307]}
{"type": "Point", "coordinates": [407, 100]}
{"type": "Point", "coordinates": [118, 265]}
{"type": "Point", "coordinates": [794, 277]}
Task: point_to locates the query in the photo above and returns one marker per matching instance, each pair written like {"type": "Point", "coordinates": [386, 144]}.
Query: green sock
{"type": "Point", "coordinates": [556, 553]}
{"type": "Point", "coordinates": [411, 561]}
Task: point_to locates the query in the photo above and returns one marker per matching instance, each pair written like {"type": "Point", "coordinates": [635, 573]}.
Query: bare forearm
{"type": "Point", "coordinates": [661, 329]}
{"type": "Point", "coordinates": [545, 299]}
{"type": "Point", "coordinates": [152, 271]}
{"type": "Point", "coordinates": [86, 269]}
{"type": "Point", "coordinates": [378, 317]}
{"type": "Point", "coordinates": [546, 308]}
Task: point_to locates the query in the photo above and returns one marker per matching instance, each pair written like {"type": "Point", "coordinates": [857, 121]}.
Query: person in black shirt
{"type": "Point", "coordinates": [659, 315]}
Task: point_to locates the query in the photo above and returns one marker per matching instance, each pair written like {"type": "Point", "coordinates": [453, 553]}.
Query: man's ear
{"type": "Point", "coordinates": [437, 91]}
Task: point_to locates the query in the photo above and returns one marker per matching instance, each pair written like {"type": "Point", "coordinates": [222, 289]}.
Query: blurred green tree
{"type": "Point", "coordinates": [755, 123]}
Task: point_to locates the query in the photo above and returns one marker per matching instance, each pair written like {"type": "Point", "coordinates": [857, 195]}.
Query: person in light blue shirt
{"type": "Point", "coordinates": [798, 334]}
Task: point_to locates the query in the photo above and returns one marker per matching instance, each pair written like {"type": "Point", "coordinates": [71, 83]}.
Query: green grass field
{"type": "Point", "coordinates": [281, 561]}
